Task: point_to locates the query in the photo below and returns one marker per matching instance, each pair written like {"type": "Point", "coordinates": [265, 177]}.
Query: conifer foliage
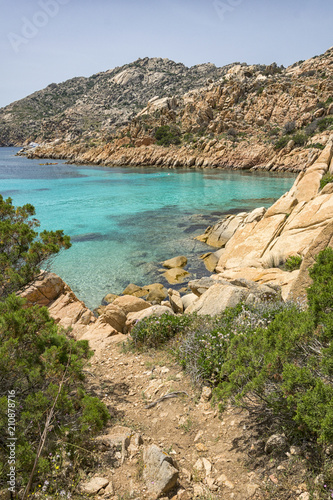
{"type": "Point", "coordinates": [44, 403]}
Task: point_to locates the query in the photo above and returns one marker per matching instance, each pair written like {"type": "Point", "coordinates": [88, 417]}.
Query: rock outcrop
{"type": "Point", "coordinates": [300, 222]}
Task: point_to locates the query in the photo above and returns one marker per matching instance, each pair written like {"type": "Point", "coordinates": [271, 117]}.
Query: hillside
{"type": "Point", "coordinates": [157, 112]}
{"type": "Point", "coordinates": [84, 107]}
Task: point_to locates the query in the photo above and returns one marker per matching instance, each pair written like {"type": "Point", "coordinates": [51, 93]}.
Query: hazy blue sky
{"type": "Point", "coordinates": [45, 41]}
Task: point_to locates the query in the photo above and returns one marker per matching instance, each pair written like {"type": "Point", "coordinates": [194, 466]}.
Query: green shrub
{"type": "Point", "coordinates": [286, 368]}
{"type": "Point", "coordinates": [316, 145]}
{"type": "Point", "coordinates": [293, 262]}
{"type": "Point", "coordinates": [155, 331]}
{"type": "Point", "coordinates": [299, 139]}
{"type": "Point", "coordinates": [41, 365]}
{"type": "Point", "coordinates": [274, 132]}
{"type": "Point", "coordinates": [326, 179]}
{"type": "Point", "coordinates": [282, 142]}
{"type": "Point", "coordinates": [36, 360]}
{"type": "Point", "coordinates": [166, 135]}
{"type": "Point", "coordinates": [201, 350]}
{"type": "Point", "coordinates": [325, 123]}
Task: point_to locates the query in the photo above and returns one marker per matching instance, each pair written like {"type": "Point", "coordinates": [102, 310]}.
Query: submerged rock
{"type": "Point", "coordinates": [179, 261]}
{"type": "Point", "coordinates": [176, 275]}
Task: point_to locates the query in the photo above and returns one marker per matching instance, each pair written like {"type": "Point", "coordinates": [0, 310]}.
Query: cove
{"type": "Point", "coordinates": [124, 221]}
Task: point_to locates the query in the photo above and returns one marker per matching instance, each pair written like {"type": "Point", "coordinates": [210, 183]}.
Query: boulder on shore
{"type": "Point", "coordinates": [179, 261]}
{"type": "Point", "coordinates": [176, 275]}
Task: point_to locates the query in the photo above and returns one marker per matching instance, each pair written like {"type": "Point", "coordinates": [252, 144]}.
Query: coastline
{"type": "Point", "coordinates": [300, 223]}
{"type": "Point", "coordinates": [247, 155]}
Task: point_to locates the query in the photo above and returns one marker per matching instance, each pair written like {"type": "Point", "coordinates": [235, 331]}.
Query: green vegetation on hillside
{"type": "Point", "coordinates": [275, 359]}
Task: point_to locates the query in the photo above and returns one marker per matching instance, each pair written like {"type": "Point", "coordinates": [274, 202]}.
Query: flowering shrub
{"type": "Point", "coordinates": [204, 343]}
{"type": "Point", "coordinates": [155, 331]}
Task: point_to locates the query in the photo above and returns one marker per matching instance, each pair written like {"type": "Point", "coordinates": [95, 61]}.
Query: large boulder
{"type": "Point", "coordinates": [113, 316]}
{"type": "Point", "coordinates": [64, 307]}
{"type": "Point", "coordinates": [44, 290]}
{"type": "Point", "coordinates": [290, 225]}
{"type": "Point", "coordinates": [159, 473]}
{"type": "Point", "coordinates": [130, 303]}
{"type": "Point", "coordinates": [219, 234]}
{"type": "Point", "coordinates": [275, 277]}
{"type": "Point", "coordinates": [217, 298]}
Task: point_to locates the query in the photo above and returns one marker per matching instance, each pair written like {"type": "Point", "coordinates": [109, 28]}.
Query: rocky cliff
{"type": "Point", "coordinates": [260, 117]}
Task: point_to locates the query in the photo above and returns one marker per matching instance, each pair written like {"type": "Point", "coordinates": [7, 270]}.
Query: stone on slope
{"type": "Point", "coordinates": [64, 307]}
{"type": "Point", "coordinates": [118, 437]}
{"type": "Point", "coordinates": [93, 486]}
{"type": "Point", "coordinates": [188, 300]}
{"type": "Point", "coordinates": [131, 289]}
{"type": "Point", "coordinates": [198, 287]}
{"type": "Point", "coordinates": [159, 472]}
{"type": "Point", "coordinates": [176, 301]}
{"type": "Point", "coordinates": [113, 316]}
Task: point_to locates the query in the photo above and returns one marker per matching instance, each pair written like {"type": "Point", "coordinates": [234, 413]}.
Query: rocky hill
{"type": "Point", "coordinates": [87, 107]}
{"type": "Point", "coordinates": [157, 112]}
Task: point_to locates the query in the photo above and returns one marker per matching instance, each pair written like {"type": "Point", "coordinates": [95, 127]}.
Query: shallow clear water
{"type": "Point", "coordinates": [124, 221]}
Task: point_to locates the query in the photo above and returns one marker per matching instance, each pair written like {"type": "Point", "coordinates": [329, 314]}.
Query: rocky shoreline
{"type": "Point", "coordinates": [246, 265]}
{"type": "Point", "coordinates": [211, 154]}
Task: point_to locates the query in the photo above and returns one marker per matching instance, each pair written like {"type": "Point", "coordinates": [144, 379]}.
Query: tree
{"type": "Point", "coordinates": [22, 250]}
{"type": "Point", "coordinates": [44, 404]}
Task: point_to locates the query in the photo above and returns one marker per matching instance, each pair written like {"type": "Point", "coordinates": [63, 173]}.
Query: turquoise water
{"type": "Point", "coordinates": [124, 221]}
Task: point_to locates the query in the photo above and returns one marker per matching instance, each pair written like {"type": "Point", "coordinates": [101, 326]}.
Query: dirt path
{"type": "Point", "coordinates": [203, 444]}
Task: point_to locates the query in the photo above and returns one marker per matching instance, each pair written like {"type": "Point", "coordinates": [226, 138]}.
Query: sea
{"type": "Point", "coordinates": [124, 221]}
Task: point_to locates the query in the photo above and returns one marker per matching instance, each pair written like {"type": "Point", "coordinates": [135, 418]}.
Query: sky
{"type": "Point", "coordinates": [46, 41]}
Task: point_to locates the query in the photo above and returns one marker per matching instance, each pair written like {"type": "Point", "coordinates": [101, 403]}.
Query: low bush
{"type": "Point", "coordinates": [316, 145]}
{"type": "Point", "coordinates": [326, 179]}
{"type": "Point", "coordinates": [286, 369]}
{"type": "Point", "coordinates": [282, 142]}
{"type": "Point", "coordinates": [202, 348]}
{"type": "Point", "coordinates": [289, 127]}
{"type": "Point", "coordinates": [325, 123]}
{"type": "Point", "coordinates": [293, 262]}
{"type": "Point", "coordinates": [43, 369]}
{"type": "Point", "coordinates": [299, 139]}
{"type": "Point", "coordinates": [155, 331]}
{"type": "Point", "coordinates": [166, 135]}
